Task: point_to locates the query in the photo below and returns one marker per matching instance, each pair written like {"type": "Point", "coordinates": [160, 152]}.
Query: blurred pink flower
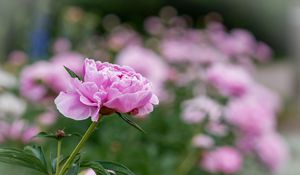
{"type": "Point", "coordinates": [202, 141]}
{"type": "Point", "coordinates": [121, 37]}
{"type": "Point", "coordinates": [183, 49]}
{"type": "Point", "coordinates": [217, 128]}
{"type": "Point", "coordinates": [17, 58]}
{"type": "Point", "coordinates": [195, 110]}
{"type": "Point", "coordinates": [34, 79]}
{"type": "Point", "coordinates": [106, 87]}
{"type": "Point", "coordinates": [29, 133]}
{"type": "Point", "coordinates": [267, 98]}
{"type": "Point", "coordinates": [225, 160]}
{"type": "Point", "coordinates": [143, 60]}
{"type": "Point", "coordinates": [154, 25]}
{"type": "Point", "coordinates": [47, 118]}
{"type": "Point", "coordinates": [61, 45]}
{"type": "Point", "coordinates": [228, 79]}
{"type": "Point", "coordinates": [73, 61]}
{"type": "Point", "coordinates": [272, 151]}
{"type": "Point", "coordinates": [215, 27]}
{"type": "Point", "coordinates": [249, 116]}
{"type": "Point", "coordinates": [237, 43]}
{"type": "Point", "coordinates": [245, 142]}
{"type": "Point", "coordinates": [43, 79]}
{"type": "Point", "coordinates": [263, 52]}
{"type": "Point", "coordinates": [18, 131]}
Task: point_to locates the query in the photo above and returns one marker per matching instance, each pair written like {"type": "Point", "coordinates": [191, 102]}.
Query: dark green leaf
{"type": "Point", "coordinates": [46, 135]}
{"type": "Point", "coordinates": [54, 136]}
{"type": "Point", "coordinates": [118, 168]}
{"type": "Point", "coordinates": [96, 166]}
{"type": "Point", "coordinates": [61, 161]}
{"type": "Point", "coordinates": [38, 152]}
{"type": "Point", "coordinates": [130, 122]}
{"type": "Point", "coordinates": [22, 158]}
{"type": "Point", "coordinates": [72, 73]}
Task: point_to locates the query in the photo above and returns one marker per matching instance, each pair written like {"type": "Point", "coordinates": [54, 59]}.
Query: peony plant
{"type": "Point", "coordinates": [104, 89]}
{"type": "Point", "coordinates": [227, 117]}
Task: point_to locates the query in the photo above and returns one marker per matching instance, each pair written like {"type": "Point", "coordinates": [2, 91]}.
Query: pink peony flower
{"type": "Point", "coordinates": [202, 141]}
{"type": "Point", "coordinates": [106, 88]}
{"type": "Point", "coordinates": [249, 116]}
{"type": "Point", "coordinates": [195, 110]}
{"type": "Point", "coordinates": [272, 151]}
{"type": "Point", "coordinates": [222, 160]}
{"type": "Point", "coordinates": [143, 60]}
{"type": "Point", "coordinates": [229, 80]}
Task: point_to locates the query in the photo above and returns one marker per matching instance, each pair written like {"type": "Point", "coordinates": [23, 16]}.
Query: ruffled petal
{"type": "Point", "coordinates": [69, 105]}
{"type": "Point", "coordinates": [127, 102]}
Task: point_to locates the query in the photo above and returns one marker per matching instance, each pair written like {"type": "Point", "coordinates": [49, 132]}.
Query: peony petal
{"type": "Point", "coordinates": [91, 73]}
{"type": "Point", "coordinates": [146, 109]}
{"type": "Point", "coordinates": [87, 91]}
{"type": "Point", "coordinates": [127, 102]}
{"type": "Point", "coordinates": [154, 100]}
{"type": "Point", "coordinates": [70, 106]}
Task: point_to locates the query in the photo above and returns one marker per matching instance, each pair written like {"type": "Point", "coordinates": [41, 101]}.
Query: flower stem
{"type": "Point", "coordinates": [58, 156]}
{"type": "Point", "coordinates": [84, 138]}
{"type": "Point", "coordinates": [187, 163]}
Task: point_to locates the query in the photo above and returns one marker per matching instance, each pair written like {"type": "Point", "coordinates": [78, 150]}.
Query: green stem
{"type": "Point", "coordinates": [58, 156]}
{"type": "Point", "coordinates": [84, 138]}
{"type": "Point", "coordinates": [187, 163]}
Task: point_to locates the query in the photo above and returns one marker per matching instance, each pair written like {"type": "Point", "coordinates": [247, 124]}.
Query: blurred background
{"type": "Point", "coordinates": [56, 33]}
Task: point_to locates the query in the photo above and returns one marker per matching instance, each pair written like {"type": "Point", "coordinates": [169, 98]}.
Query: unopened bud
{"type": "Point", "coordinates": [60, 134]}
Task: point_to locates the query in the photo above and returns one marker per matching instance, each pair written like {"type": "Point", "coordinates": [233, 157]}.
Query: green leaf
{"type": "Point", "coordinates": [61, 161]}
{"type": "Point", "coordinates": [130, 122]}
{"type": "Point", "coordinates": [74, 169]}
{"type": "Point", "coordinates": [46, 135]}
{"type": "Point", "coordinates": [116, 167]}
{"type": "Point", "coordinates": [96, 166]}
{"type": "Point", "coordinates": [38, 152]}
{"type": "Point", "coordinates": [22, 158]}
{"type": "Point", "coordinates": [72, 73]}
{"type": "Point", "coordinates": [54, 136]}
